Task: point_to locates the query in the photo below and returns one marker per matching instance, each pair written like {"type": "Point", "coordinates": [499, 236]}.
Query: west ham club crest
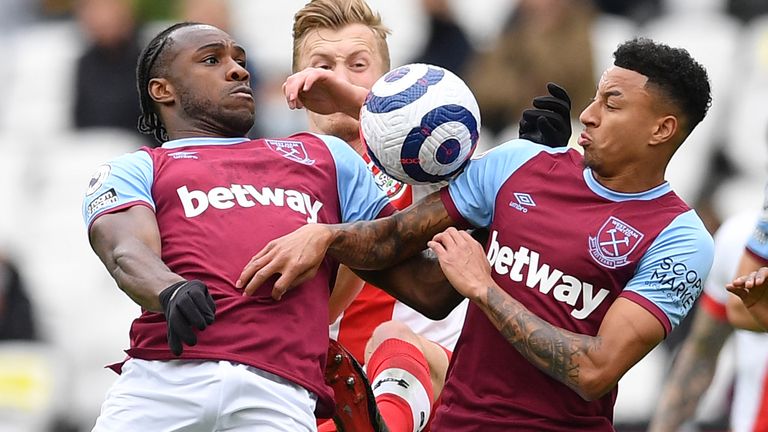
{"type": "Point", "coordinates": [293, 150]}
{"type": "Point", "coordinates": [613, 243]}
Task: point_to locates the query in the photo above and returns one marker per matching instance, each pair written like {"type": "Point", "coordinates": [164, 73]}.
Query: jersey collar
{"type": "Point", "coordinates": [612, 195]}
{"type": "Point", "coordinates": [200, 141]}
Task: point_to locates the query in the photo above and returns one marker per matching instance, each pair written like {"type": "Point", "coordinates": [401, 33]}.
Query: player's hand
{"type": "Point", "coordinates": [295, 257]}
{"type": "Point", "coordinates": [186, 304]}
{"type": "Point", "coordinates": [463, 262]}
{"type": "Point", "coordinates": [549, 121]}
{"type": "Point", "coordinates": [750, 288]}
{"type": "Point", "coordinates": [323, 92]}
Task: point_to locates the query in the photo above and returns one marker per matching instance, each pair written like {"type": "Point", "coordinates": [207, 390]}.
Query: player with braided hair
{"type": "Point", "coordinates": [174, 225]}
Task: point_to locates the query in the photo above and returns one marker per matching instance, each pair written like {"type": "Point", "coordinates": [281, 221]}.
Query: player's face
{"type": "Point", "coordinates": [210, 82]}
{"type": "Point", "coordinates": [353, 54]}
{"type": "Point", "coordinates": [618, 123]}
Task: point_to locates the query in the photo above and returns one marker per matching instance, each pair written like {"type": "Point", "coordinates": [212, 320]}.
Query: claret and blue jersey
{"type": "Point", "coordinates": [219, 201]}
{"type": "Point", "coordinates": [566, 247]}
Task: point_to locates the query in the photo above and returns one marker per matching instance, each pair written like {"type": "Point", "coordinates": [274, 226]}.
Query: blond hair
{"type": "Point", "coordinates": [334, 15]}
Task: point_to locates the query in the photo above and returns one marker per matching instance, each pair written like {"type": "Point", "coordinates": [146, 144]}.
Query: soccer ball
{"type": "Point", "coordinates": [420, 123]}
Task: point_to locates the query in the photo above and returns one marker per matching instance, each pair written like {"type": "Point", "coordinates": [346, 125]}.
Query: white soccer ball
{"type": "Point", "coordinates": [420, 123]}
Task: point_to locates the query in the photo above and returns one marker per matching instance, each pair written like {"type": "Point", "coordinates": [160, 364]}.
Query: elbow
{"type": "Point", "coordinates": [594, 385]}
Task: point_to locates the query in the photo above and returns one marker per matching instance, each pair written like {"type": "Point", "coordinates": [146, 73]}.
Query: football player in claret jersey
{"type": "Point", "coordinates": [345, 41]}
{"type": "Point", "coordinates": [592, 258]}
{"type": "Point", "coordinates": [174, 226]}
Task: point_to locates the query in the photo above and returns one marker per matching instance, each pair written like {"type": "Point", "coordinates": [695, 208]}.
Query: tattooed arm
{"type": "Point", "coordinates": [590, 365]}
{"type": "Point", "coordinates": [369, 245]}
{"type": "Point", "coordinates": [692, 372]}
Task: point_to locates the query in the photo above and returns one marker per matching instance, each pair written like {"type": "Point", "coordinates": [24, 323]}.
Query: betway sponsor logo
{"type": "Point", "coordinates": [523, 265]}
{"type": "Point", "coordinates": [195, 202]}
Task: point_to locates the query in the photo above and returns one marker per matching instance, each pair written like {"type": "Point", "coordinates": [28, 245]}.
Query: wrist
{"type": "Point", "coordinates": [168, 293]}
{"type": "Point", "coordinates": [357, 101]}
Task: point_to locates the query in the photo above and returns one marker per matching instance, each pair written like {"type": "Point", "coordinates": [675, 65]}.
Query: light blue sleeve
{"type": "Point", "coordinates": [671, 273]}
{"type": "Point", "coordinates": [474, 190]}
{"type": "Point", "coordinates": [758, 242]}
{"type": "Point", "coordinates": [359, 197]}
{"type": "Point", "coordinates": [125, 180]}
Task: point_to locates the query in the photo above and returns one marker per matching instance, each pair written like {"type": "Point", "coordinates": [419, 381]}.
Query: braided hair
{"type": "Point", "coordinates": [151, 64]}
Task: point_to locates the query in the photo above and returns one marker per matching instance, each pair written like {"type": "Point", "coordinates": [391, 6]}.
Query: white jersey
{"type": "Point", "coordinates": [751, 348]}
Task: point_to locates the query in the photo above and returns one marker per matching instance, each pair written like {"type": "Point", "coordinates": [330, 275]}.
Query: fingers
{"type": "Point", "coordinates": [761, 275]}
{"type": "Point", "coordinates": [192, 314]}
{"type": "Point", "coordinates": [175, 344]}
{"type": "Point", "coordinates": [261, 270]}
{"type": "Point", "coordinates": [205, 308]}
{"type": "Point", "coordinates": [559, 92]}
{"type": "Point", "coordinates": [180, 331]}
{"type": "Point", "coordinates": [285, 283]}
{"type": "Point", "coordinates": [297, 83]}
{"type": "Point", "coordinates": [563, 108]}
{"type": "Point", "coordinates": [550, 134]}
{"type": "Point", "coordinates": [253, 266]}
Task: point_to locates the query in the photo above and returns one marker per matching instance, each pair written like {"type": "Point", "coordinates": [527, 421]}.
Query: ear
{"type": "Point", "coordinates": [666, 128]}
{"type": "Point", "coordinates": [161, 91]}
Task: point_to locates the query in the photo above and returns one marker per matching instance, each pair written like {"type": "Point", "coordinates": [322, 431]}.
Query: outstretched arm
{"type": "Point", "coordinates": [322, 92]}
{"type": "Point", "coordinates": [590, 365]}
{"type": "Point", "coordinates": [369, 245]}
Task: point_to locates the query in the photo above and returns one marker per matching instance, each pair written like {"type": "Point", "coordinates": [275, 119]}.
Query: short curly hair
{"type": "Point", "coordinates": [673, 71]}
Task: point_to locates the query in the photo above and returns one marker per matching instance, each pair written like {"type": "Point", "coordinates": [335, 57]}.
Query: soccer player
{"type": "Point", "coordinates": [345, 40]}
{"type": "Point", "coordinates": [592, 259]}
{"type": "Point", "coordinates": [750, 309]}
{"type": "Point", "coordinates": [695, 365]}
{"type": "Point", "coordinates": [174, 225]}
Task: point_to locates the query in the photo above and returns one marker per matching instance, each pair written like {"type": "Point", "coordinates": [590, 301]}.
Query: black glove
{"type": "Point", "coordinates": [186, 304]}
{"type": "Point", "coordinates": [549, 122]}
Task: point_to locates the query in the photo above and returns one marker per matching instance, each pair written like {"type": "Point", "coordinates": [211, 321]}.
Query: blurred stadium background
{"type": "Point", "coordinates": [47, 155]}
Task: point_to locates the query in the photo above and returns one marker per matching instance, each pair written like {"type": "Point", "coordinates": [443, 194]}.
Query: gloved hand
{"type": "Point", "coordinates": [549, 122]}
{"type": "Point", "coordinates": [186, 304]}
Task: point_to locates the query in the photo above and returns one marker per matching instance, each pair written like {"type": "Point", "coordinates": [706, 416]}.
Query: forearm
{"type": "Point", "coordinates": [140, 274]}
{"type": "Point", "coordinates": [419, 283]}
{"type": "Point", "coordinates": [561, 354]}
{"type": "Point", "coordinates": [382, 243]}
{"type": "Point", "coordinates": [128, 243]}
{"type": "Point", "coordinates": [692, 373]}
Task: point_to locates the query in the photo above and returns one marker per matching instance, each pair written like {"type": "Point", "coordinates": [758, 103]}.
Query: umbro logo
{"type": "Point", "coordinates": [522, 201]}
